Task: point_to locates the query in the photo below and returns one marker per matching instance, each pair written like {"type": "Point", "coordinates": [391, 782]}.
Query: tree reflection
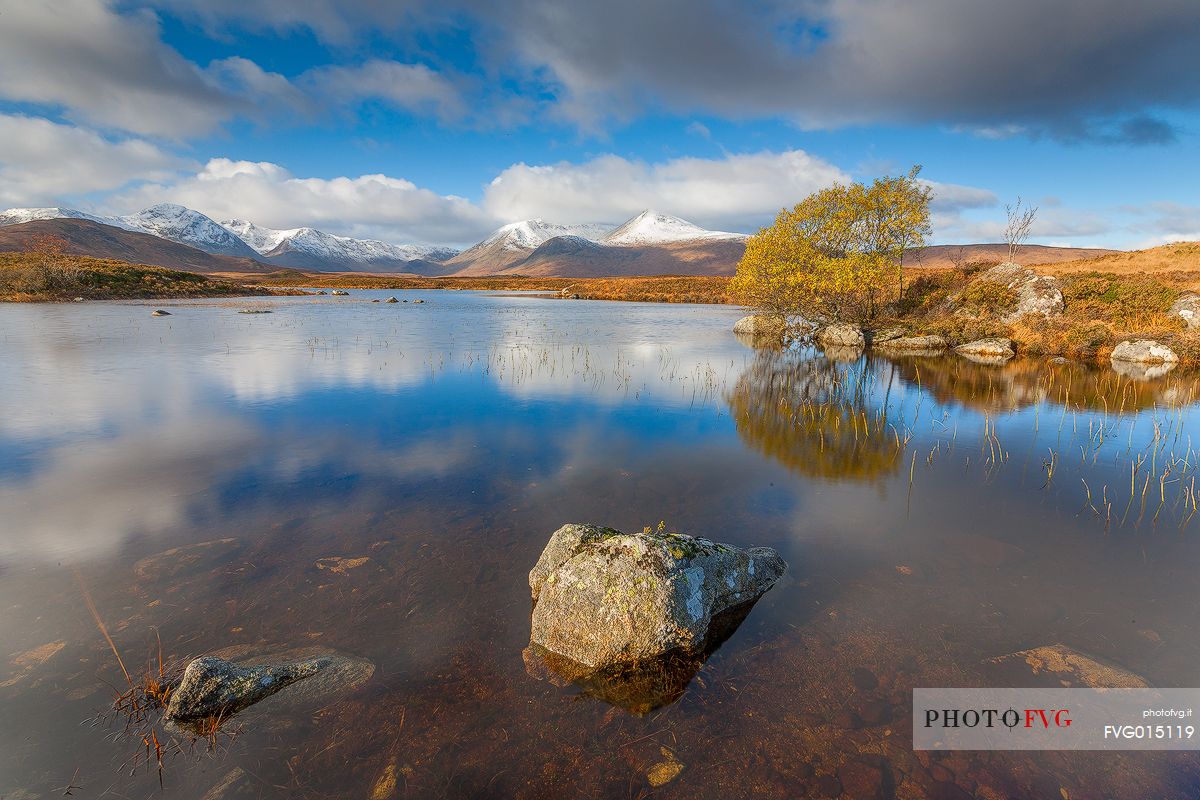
{"type": "Point", "coordinates": [812, 415]}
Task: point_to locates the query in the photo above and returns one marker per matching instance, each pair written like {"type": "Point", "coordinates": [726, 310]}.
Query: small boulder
{"type": "Point", "coordinates": [995, 347]}
{"type": "Point", "coordinates": [605, 598]}
{"type": "Point", "coordinates": [322, 292]}
{"type": "Point", "coordinates": [1187, 308]}
{"type": "Point", "coordinates": [842, 335]}
{"type": "Point", "coordinates": [391, 300]}
{"type": "Point", "coordinates": [1036, 294]}
{"type": "Point", "coordinates": [255, 311]}
{"type": "Point", "coordinates": [158, 312]}
{"type": "Point", "coordinates": [376, 300]}
{"type": "Point", "coordinates": [214, 687]}
{"type": "Point", "coordinates": [763, 325]}
{"type": "Point", "coordinates": [340, 293]}
{"type": "Point", "coordinates": [418, 301]}
{"type": "Point", "coordinates": [1144, 351]}
{"type": "Point", "coordinates": [78, 300]}
{"type": "Point", "coordinates": [913, 344]}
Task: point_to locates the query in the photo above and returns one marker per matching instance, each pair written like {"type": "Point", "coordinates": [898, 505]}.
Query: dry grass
{"type": "Point", "coordinates": [1176, 264]}
{"type": "Point", "coordinates": [39, 277]}
{"type": "Point", "coordinates": [653, 289]}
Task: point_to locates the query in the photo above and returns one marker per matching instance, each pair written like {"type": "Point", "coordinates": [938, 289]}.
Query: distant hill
{"type": "Point", "coordinates": [1180, 259]}
{"type": "Point", "coordinates": [951, 255]}
{"type": "Point", "coordinates": [83, 237]}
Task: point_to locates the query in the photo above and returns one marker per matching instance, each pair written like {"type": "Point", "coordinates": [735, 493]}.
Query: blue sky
{"type": "Point", "coordinates": [423, 122]}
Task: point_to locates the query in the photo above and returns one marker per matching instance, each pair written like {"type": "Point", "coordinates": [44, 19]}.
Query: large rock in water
{"type": "Point", "coordinates": [914, 344]}
{"type": "Point", "coordinates": [214, 687]}
{"type": "Point", "coordinates": [842, 334]}
{"type": "Point", "coordinates": [761, 325]}
{"type": "Point", "coordinates": [996, 347]}
{"type": "Point", "coordinates": [605, 598]}
{"type": "Point", "coordinates": [1036, 294]}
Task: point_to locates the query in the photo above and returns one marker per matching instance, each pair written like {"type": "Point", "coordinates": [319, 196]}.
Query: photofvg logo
{"type": "Point", "coordinates": [1055, 719]}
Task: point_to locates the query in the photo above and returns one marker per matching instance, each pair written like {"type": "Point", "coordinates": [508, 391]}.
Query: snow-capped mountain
{"type": "Point", "coordinates": [180, 224]}
{"type": "Point", "coordinates": [343, 250]}
{"type": "Point", "coordinates": [17, 216]}
{"type": "Point", "coordinates": [650, 227]}
{"type": "Point", "coordinates": [529, 233]}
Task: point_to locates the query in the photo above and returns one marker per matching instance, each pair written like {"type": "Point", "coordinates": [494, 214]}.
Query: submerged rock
{"type": "Point", "coordinates": [255, 311]}
{"type": "Point", "coordinates": [1144, 351]}
{"type": "Point", "coordinates": [842, 335]}
{"type": "Point", "coordinates": [604, 598]}
{"type": "Point", "coordinates": [1187, 308]}
{"type": "Point", "coordinates": [1036, 294]}
{"type": "Point", "coordinates": [214, 687]}
{"type": "Point", "coordinates": [996, 347]}
{"type": "Point", "coordinates": [158, 312]}
{"type": "Point", "coordinates": [764, 325]}
{"type": "Point", "coordinates": [1058, 665]}
{"type": "Point", "coordinates": [913, 344]}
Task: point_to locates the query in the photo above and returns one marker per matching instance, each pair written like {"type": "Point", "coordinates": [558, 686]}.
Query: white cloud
{"type": "Point", "coordinates": [737, 191]}
{"type": "Point", "coordinates": [412, 87]}
{"type": "Point", "coordinates": [104, 68]}
{"type": "Point", "coordinates": [377, 206]}
{"type": "Point", "coordinates": [42, 161]}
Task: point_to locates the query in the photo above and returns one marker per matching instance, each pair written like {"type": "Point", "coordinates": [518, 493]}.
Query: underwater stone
{"type": "Point", "coordinates": [214, 687]}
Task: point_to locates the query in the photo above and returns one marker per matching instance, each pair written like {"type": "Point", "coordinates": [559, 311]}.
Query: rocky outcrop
{"type": "Point", "coordinates": [842, 334]}
{"type": "Point", "coordinates": [1187, 308]}
{"type": "Point", "coordinates": [1036, 294]}
{"type": "Point", "coordinates": [1144, 351]}
{"type": "Point", "coordinates": [214, 687]}
{"type": "Point", "coordinates": [604, 598]}
{"type": "Point", "coordinates": [996, 347]}
{"type": "Point", "coordinates": [761, 325]}
{"type": "Point", "coordinates": [913, 344]}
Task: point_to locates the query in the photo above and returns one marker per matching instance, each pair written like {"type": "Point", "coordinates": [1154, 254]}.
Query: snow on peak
{"type": "Point", "coordinates": [262, 240]}
{"type": "Point", "coordinates": [529, 233]}
{"type": "Point", "coordinates": [185, 226]}
{"type": "Point", "coordinates": [16, 216]}
{"type": "Point", "coordinates": [651, 227]}
{"type": "Point", "coordinates": [330, 247]}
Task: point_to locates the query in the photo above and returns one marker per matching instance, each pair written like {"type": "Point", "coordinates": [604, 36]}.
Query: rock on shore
{"type": "Point", "coordinates": [842, 334]}
{"type": "Point", "coordinates": [1144, 351]}
{"type": "Point", "coordinates": [763, 325]}
{"type": "Point", "coordinates": [1036, 294]}
{"type": "Point", "coordinates": [605, 598]}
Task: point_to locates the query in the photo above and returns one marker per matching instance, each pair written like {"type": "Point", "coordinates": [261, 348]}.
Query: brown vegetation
{"type": "Point", "coordinates": [655, 289]}
{"type": "Point", "coordinates": [47, 273]}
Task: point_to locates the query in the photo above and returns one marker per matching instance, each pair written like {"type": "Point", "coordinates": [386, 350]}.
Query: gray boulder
{"type": "Point", "coordinates": [996, 347]}
{"type": "Point", "coordinates": [214, 687]}
{"type": "Point", "coordinates": [913, 344]}
{"type": "Point", "coordinates": [842, 334]}
{"type": "Point", "coordinates": [391, 300]}
{"type": "Point", "coordinates": [1036, 294]}
{"type": "Point", "coordinates": [1144, 351]}
{"type": "Point", "coordinates": [605, 598]}
{"type": "Point", "coordinates": [1187, 308]}
{"type": "Point", "coordinates": [763, 325]}
{"type": "Point", "coordinates": [158, 312]}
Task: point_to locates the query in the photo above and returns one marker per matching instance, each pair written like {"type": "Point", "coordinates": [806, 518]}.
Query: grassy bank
{"type": "Point", "coordinates": [1100, 310]}
{"type": "Point", "coordinates": [658, 289]}
{"type": "Point", "coordinates": [38, 277]}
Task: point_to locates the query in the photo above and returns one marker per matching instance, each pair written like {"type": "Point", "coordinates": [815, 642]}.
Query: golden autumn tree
{"type": "Point", "coordinates": [839, 253]}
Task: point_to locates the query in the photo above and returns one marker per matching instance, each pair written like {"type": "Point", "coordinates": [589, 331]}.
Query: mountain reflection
{"type": "Point", "coordinates": [815, 416]}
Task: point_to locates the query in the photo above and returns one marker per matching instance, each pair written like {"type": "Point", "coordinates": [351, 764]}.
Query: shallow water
{"type": "Point", "coordinates": [935, 513]}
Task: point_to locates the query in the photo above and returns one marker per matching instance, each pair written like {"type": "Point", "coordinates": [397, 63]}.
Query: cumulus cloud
{"type": "Point", "coordinates": [376, 206]}
{"type": "Point", "coordinates": [737, 191]}
{"type": "Point", "coordinates": [42, 161]}
{"type": "Point", "coordinates": [1075, 70]}
{"type": "Point", "coordinates": [413, 87]}
{"type": "Point", "coordinates": [105, 68]}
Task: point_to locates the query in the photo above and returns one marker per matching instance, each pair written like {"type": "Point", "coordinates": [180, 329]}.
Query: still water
{"type": "Point", "coordinates": [377, 480]}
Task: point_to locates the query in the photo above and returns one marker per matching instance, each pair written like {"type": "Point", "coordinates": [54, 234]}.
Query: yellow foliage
{"type": "Point", "coordinates": [838, 254]}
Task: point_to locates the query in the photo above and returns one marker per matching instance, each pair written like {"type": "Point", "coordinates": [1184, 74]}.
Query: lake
{"type": "Point", "coordinates": [377, 480]}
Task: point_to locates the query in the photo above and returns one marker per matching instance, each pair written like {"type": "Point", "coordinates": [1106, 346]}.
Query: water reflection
{"type": "Point", "coordinates": [821, 418]}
